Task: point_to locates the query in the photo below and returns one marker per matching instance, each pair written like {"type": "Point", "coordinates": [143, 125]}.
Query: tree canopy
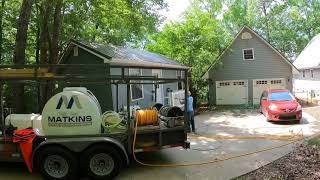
{"type": "Point", "coordinates": [107, 21]}
{"type": "Point", "coordinates": [208, 26]}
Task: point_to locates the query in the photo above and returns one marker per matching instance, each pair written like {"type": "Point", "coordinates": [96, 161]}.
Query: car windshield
{"type": "Point", "coordinates": [281, 96]}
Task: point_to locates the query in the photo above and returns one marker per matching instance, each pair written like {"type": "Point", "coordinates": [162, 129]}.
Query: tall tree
{"type": "Point", "coordinates": [20, 47]}
{"type": "Point", "coordinates": [22, 29]}
{"type": "Point", "coordinates": [195, 42]}
{"type": "Point", "coordinates": [1, 27]}
{"type": "Point", "coordinates": [57, 23]}
{"type": "Point", "coordinates": [45, 11]}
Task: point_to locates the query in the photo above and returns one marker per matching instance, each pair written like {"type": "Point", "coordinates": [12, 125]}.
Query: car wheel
{"type": "Point", "coordinates": [57, 163]}
{"type": "Point", "coordinates": [260, 110]}
{"type": "Point", "coordinates": [101, 162]}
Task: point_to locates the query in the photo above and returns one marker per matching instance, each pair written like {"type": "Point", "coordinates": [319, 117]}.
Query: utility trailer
{"type": "Point", "coordinates": [63, 153]}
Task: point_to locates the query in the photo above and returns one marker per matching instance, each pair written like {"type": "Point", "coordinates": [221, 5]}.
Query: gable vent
{"type": "Point", "coordinates": [246, 35]}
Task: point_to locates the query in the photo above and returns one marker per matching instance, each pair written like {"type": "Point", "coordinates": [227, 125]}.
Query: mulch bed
{"type": "Point", "coordinates": [302, 163]}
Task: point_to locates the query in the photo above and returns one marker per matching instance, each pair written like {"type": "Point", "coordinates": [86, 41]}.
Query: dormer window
{"type": "Point", "coordinates": [248, 54]}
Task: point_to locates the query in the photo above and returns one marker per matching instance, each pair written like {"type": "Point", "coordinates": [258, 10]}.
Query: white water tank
{"type": "Point", "coordinates": [22, 121]}
{"type": "Point", "coordinates": [74, 111]}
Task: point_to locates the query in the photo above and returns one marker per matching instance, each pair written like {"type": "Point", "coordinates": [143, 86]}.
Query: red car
{"type": "Point", "coordinates": [280, 105]}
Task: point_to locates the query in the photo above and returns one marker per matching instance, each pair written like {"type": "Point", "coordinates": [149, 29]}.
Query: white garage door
{"type": "Point", "coordinates": [259, 85]}
{"type": "Point", "coordinates": [232, 92]}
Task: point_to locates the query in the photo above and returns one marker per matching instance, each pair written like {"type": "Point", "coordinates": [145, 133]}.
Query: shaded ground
{"type": "Point", "coordinates": [302, 163]}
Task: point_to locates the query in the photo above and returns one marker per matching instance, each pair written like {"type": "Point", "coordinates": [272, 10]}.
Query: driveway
{"type": "Point", "coordinates": [229, 123]}
{"type": "Point", "coordinates": [251, 123]}
{"type": "Point", "coordinates": [205, 148]}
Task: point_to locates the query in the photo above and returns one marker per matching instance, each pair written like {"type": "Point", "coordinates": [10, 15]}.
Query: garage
{"type": "Point", "coordinates": [232, 92]}
{"type": "Point", "coordinates": [259, 85]}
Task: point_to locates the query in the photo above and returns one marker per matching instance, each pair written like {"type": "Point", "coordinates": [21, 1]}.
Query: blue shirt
{"type": "Point", "coordinates": [190, 104]}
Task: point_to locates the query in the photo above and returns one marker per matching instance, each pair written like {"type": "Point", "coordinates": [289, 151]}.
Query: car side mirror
{"type": "Point", "coordinates": [264, 98]}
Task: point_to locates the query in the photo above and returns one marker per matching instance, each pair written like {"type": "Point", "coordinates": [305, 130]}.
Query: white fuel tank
{"type": "Point", "coordinates": [72, 112]}
{"type": "Point", "coordinates": [23, 121]}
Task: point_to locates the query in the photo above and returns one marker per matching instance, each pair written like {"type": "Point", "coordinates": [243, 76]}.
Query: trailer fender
{"type": "Point", "coordinates": [79, 144]}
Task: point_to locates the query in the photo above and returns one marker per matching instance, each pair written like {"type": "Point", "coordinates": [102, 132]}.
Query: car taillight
{"type": "Point", "coordinates": [299, 108]}
{"type": "Point", "coordinates": [273, 107]}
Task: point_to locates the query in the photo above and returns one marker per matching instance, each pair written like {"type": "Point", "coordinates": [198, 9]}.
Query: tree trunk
{"type": "Point", "coordinates": [21, 36]}
{"type": "Point", "coordinates": [264, 9]}
{"type": "Point", "coordinates": [1, 28]}
{"type": "Point", "coordinates": [19, 52]}
{"type": "Point", "coordinates": [57, 23]}
{"type": "Point", "coordinates": [44, 45]}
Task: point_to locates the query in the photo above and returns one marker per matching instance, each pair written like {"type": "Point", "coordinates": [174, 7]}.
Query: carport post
{"type": "Point", "coordinates": [128, 119]}
{"type": "Point", "coordinates": [117, 97]}
{"type": "Point", "coordinates": [186, 87]}
{"type": "Point", "coordinates": [155, 92]}
{"type": "Point", "coordinates": [3, 123]}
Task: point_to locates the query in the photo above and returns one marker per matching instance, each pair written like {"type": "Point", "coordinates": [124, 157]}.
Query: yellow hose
{"type": "Point", "coordinates": [146, 117]}
{"type": "Point", "coordinates": [212, 161]}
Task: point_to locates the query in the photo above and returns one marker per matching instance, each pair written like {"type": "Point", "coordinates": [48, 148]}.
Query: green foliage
{"type": "Point", "coordinates": [195, 42]}
{"type": "Point", "coordinates": [107, 21]}
{"type": "Point", "coordinates": [110, 21]}
{"type": "Point", "coordinates": [207, 27]}
{"type": "Point", "coordinates": [119, 22]}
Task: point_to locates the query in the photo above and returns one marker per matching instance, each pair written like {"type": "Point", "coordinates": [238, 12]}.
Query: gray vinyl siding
{"type": "Point", "coordinates": [102, 92]}
{"type": "Point", "coordinates": [266, 64]}
{"type": "Point", "coordinates": [308, 76]}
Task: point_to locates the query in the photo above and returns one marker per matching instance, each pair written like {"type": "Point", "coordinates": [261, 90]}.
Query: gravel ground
{"type": "Point", "coordinates": [302, 163]}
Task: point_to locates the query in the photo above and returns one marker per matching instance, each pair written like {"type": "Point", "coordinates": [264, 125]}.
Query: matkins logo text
{"type": "Point", "coordinates": [69, 120]}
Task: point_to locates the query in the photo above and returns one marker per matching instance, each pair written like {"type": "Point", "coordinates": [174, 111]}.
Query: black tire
{"type": "Point", "coordinates": [260, 109]}
{"type": "Point", "coordinates": [102, 153]}
{"type": "Point", "coordinates": [52, 158]}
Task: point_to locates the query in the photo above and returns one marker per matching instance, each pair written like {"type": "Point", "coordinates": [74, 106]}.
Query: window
{"type": "Point", "coordinates": [224, 84]}
{"type": "Point", "coordinates": [281, 96]}
{"type": "Point", "coordinates": [311, 71]}
{"type": "Point", "coordinates": [75, 51]}
{"type": "Point", "coordinates": [276, 81]}
{"type": "Point", "coordinates": [303, 74]}
{"type": "Point", "coordinates": [136, 89]}
{"type": "Point", "coordinates": [179, 76]}
{"type": "Point", "coordinates": [248, 54]}
{"type": "Point", "coordinates": [262, 82]}
{"type": "Point", "coordinates": [240, 83]}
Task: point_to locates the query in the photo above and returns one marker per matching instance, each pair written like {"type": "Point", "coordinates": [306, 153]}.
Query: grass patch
{"type": "Point", "coordinates": [314, 141]}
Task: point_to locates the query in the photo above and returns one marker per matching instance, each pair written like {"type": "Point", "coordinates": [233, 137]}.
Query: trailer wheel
{"type": "Point", "coordinates": [101, 162]}
{"type": "Point", "coordinates": [57, 163]}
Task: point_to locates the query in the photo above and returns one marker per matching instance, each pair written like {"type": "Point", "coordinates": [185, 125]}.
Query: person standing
{"type": "Point", "coordinates": [190, 112]}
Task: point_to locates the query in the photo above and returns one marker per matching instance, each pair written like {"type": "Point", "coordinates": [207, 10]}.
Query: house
{"type": "Point", "coordinates": [248, 66]}
{"type": "Point", "coordinates": [308, 63]}
{"type": "Point", "coordinates": [141, 94]}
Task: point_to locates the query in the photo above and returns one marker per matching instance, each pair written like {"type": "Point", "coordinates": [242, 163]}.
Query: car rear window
{"type": "Point", "coordinates": [281, 96]}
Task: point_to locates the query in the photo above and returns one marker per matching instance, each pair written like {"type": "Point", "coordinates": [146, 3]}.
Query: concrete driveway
{"type": "Point", "coordinates": [204, 148]}
{"type": "Point", "coordinates": [229, 123]}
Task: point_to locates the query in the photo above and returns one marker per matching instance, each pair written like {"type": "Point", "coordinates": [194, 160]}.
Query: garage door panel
{"type": "Point", "coordinates": [259, 85]}
{"type": "Point", "coordinates": [231, 92]}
